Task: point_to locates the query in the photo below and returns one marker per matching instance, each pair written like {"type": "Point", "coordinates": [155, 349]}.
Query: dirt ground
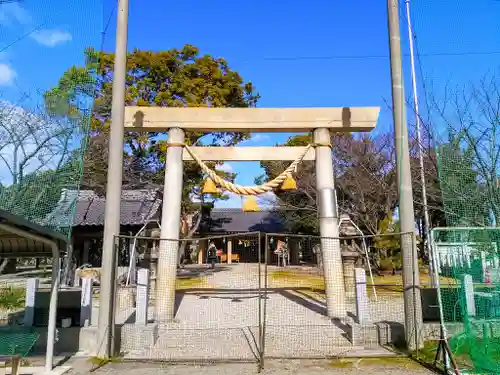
{"type": "Point", "coordinates": [272, 367]}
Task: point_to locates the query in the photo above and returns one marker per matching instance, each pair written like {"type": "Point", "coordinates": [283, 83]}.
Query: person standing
{"type": "Point", "coordinates": [212, 254]}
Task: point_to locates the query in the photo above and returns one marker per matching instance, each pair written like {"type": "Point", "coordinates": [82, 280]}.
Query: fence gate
{"type": "Point", "coordinates": [295, 322]}
{"type": "Point", "coordinates": [217, 307]}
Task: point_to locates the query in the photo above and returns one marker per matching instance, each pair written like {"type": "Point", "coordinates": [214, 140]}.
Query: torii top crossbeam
{"type": "Point", "coordinates": [287, 120]}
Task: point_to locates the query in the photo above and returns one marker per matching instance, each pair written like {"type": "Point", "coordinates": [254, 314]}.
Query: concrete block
{"type": "Point", "coordinates": [29, 312]}
{"type": "Point", "coordinates": [142, 297]}
{"type": "Point", "coordinates": [362, 305]}
{"type": "Point", "coordinates": [86, 302]}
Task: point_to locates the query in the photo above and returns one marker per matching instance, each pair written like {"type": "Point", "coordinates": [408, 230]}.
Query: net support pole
{"type": "Point", "coordinates": [170, 228]}
{"type": "Point", "coordinates": [329, 227]}
{"type": "Point", "coordinates": [113, 186]}
{"type": "Point", "coordinates": [411, 277]}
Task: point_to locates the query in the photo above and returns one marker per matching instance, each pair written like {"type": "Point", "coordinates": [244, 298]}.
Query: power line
{"type": "Point", "coordinates": [33, 30]}
{"type": "Point", "coordinates": [365, 57]}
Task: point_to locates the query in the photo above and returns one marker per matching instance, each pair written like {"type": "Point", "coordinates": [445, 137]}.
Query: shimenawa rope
{"type": "Point", "coordinates": [249, 190]}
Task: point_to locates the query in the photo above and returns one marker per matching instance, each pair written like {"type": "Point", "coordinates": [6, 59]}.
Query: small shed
{"type": "Point", "coordinates": [21, 238]}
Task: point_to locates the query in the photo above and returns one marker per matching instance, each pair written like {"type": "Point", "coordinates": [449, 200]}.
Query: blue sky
{"type": "Point", "coordinates": [274, 44]}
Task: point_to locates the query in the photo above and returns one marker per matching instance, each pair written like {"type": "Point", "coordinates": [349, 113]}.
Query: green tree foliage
{"type": "Point", "coordinates": [297, 207]}
{"type": "Point", "coordinates": [171, 78]}
{"type": "Point", "coordinates": [387, 244]}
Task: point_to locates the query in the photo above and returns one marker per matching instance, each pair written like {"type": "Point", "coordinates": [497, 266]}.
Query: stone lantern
{"type": "Point", "coordinates": [350, 252]}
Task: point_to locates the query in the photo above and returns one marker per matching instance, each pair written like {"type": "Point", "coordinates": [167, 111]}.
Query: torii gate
{"type": "Point", "coordinates": [287, 120]}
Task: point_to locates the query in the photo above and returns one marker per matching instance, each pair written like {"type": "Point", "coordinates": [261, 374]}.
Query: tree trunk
{"type": "Point", "coordinates": [184, 242]}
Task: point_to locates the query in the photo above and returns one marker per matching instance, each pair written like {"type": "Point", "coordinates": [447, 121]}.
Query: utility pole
{"type": "Point", "coordinates": [113, 187]}
{"type": "Point", "coordinates": [411, 277]}
{"type": "Point", "coordinates": [425, 208]}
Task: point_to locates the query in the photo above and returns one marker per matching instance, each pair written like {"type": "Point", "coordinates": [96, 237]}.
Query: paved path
{"type": "Point", "coordinates": [272, 368]}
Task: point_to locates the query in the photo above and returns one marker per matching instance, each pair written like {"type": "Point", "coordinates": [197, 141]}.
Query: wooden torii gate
{"type": "Point", "coordinates": [322, 121]}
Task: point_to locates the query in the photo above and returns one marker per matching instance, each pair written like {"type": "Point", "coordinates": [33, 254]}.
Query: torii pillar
{"type": "Point", "coordinates": [246, 120]}
{"type": "Point", "coordinates": [168, 251]}
{"type": "Point", "coordinates": [329, 226]}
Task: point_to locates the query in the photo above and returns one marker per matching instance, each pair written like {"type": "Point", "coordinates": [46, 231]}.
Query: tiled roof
{"type": "Point", "coordinates": [141, 206]}
{"type": "Point", "coordinates": [236, 220]}
{"type": "Point", "coordinates": [137, 207]}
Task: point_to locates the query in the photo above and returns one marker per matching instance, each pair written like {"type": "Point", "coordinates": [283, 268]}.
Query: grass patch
{"type": "Point", "coordinates": [427, 355]}
{"type": "Point", "coordinates": [190, 283]}
{"type": "Point", "coordinates": [98, 362]}
{"type": "Point", "coordinates": [398, 280]}
{"type": "Point", "coordinates": [397, 362]}
{"type": "Point", "coordinates": [314, 284]}
{"type": "Point", "coordinates": [294, 279]}
{"type": "Point", "coordinates": [12, 298]}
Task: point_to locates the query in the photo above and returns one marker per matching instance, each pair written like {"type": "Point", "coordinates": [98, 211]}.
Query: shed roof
{"type": "Point", "coordinates": [137, 207]}
{"type": "Point", "coordinates": [14, 245]}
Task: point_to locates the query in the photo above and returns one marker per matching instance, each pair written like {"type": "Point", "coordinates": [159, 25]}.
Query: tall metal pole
{"type": "Point", "coordinates": [114, 185]}
{"type": "Point", "coordinates": [413, 309]}
{"type": "Point", "coordinates": [425, 207]}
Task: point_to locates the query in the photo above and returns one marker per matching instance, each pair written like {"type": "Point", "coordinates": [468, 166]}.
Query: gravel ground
{"type": "Point", "coordinates": [221, 322]}
{"type": "Point", "coordinates": [272, 368]}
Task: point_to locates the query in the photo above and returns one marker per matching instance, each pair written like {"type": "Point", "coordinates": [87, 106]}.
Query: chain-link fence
{"type": "Point", "coordinates": [213, 313]}
{"type": "Point", "coordinates": [297, 322]}
{"type": "Point", "coordinates": [247, 297]}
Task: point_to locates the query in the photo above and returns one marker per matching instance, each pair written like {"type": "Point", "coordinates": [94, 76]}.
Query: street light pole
{"type": "Point", "coordinates": [425, 208]}
{"type": "Point", "coordinates": [113, 186]}
{"type": "Point", "coordinates": [411, 276]}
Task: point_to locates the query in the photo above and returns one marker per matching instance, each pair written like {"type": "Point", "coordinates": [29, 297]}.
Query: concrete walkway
{"type": "Point", "coordinates": [221, 321]}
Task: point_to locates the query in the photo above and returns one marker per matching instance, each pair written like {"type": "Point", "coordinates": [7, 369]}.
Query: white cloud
{"type": "Point", "coordinates": [255, 138]}
{"type": "Point", "coordinates": [267, 200]}
{"type": "Point", "coordinates": [13, 13]}
{"type": "Point", "coordinates": [234, 201]}
{"type": "Point", "coordinates": [225, 167]}
{"type": "Point", "coordinates": [51, 38]}
{"type": "Point", "coordinates": [7, 75]}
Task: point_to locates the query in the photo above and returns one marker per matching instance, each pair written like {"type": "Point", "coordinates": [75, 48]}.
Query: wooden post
{"type": "Point", "coordinates": [86, 302]}
{"type": "Point", "coordinates": [86, 248]}
{"type": "Point", "coordinates": [133, 257]}
{"type": "Point", "coordinates": [229, 251]}
{"type": "Point", "coordinates": [29, 312]}
{"type": "Point", "coordinates": [142, 301]}
{"type": "Point", "coordinates": [201, 251]}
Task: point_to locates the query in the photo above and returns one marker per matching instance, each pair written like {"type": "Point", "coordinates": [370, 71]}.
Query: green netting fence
{"type": "Point", "coordinates": [46, 105]}
{"type": "Point", "coordinates": [468, 262]}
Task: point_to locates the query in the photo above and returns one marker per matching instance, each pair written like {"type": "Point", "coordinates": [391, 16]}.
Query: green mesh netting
{"type": "Point", "coordinates": [467, 257]}
{"type": "Point", "coordinates": [45, 105]}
